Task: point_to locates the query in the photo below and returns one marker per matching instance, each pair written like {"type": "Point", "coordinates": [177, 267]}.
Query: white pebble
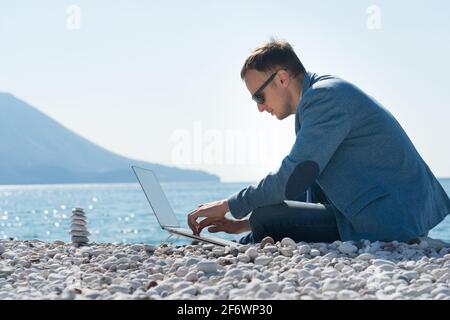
{"type": "Point", "coordinates": [365, 256]}
{"type": "Point", "coordinates": [286, 251]}
{"type": "Point", "coordinates": [191, 276]}
{"type": "Point", "coordinates": [379, 270]}
{"type": "Point", "coordinates": [331, 285]}
{"type": "Point", "coordinates": [252, 252]}
{"type": "Point", "coordinates": [347, 248]}
{"type": "Point", "coordinates": [218, 252]}
{"type": "Point", "coordinates": [243, 258]}
{"type": "Point", "coordinates": [182, 271]}
{"type": "Point", "coordinates": [262, 260]}
{"type": "Point", "coordinates": [304, 249]}
{"type": "Point", "coordinates": [243, 248]}
{"type": "Point", "coordinates": [288, 242]}
{"type": "Point", "coordinates": [190, 290]}
{"type": "Point", "coordinates": [234, 273]}
{"type": "Point", "coordinates": [192, 261]}
{"type": "Point", "coordinates": [207, 266]}
{"type": "Point", "coordinates": [270, 248]}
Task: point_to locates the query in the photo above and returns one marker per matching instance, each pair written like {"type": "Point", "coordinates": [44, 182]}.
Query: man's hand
{"type": "Point", "coordinates": [213, 212]}
{"type": "Point", "coordinates": [230, 226]}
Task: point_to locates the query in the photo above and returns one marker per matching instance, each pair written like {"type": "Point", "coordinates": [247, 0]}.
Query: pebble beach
{"type": "Point", "coordinates": [33, 269]}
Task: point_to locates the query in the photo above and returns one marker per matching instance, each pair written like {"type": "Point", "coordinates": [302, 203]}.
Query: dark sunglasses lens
{"type": "Point", "coordinates": [259, 98]}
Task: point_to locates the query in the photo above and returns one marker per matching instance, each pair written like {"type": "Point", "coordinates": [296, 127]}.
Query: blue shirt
{"type": "Point", "coordinates": [368, 167]}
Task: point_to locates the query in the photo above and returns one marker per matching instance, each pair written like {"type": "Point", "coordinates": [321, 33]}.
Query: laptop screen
{"type": "Point", "coordinates": [156, 197]}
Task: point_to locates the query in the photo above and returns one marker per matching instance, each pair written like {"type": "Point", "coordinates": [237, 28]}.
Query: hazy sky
{"type": "Point", "coordinates": [159, 80]}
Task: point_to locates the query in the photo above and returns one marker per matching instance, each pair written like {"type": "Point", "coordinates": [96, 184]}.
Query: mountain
{"type": "Point", "coordinates": [34, 148]}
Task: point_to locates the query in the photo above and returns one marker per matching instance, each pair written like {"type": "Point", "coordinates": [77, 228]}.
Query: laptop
{"type": "Point", "coordinates": [163, 211]}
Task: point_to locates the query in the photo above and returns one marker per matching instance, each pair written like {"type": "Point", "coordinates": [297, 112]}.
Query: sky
{"type": "Point", "coordinates": [159, 80]}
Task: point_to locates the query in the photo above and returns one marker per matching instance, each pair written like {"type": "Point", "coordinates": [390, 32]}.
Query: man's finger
{"type": "Point", "coordinates": [189, 220]}
{"type": "Point", "coordinates": [192, 221]}
{"type": "Point", "coordinates": [215, 229]}
{"type": "Point", "coordinates": [206, 222]}
{"type": "Point", "coordinates": [193, 224]}
{"type": "Point", "coordinates": [197, 214]}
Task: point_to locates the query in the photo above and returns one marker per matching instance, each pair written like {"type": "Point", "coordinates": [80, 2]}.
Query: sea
{"type": "Point", "coordinates": [116, 213]}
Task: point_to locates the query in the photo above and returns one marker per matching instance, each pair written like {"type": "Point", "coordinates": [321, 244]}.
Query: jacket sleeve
{"type": "Point", "coordinates": [324, 125]}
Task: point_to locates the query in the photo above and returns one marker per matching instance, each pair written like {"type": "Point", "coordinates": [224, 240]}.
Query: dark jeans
{"type": "Point", "coordinates": [300, 221]}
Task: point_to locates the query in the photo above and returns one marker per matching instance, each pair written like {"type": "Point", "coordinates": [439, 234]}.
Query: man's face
{"type": "Point", "coordinates": [276, 96]}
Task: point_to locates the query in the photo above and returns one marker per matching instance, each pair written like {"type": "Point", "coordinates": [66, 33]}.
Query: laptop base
{"type": "Point", "coordinates": [208, 239]}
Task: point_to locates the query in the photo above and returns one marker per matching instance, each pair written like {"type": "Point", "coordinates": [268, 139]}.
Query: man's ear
{"type": "Point", "coordinates": [284, 78]}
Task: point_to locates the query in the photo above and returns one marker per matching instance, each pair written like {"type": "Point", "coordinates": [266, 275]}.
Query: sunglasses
{"type": "Point", "coordinates": [258, 96]}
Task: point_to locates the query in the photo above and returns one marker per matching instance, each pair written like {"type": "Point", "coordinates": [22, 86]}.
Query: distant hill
{"type": "Point", "coordinates": [34, 148]}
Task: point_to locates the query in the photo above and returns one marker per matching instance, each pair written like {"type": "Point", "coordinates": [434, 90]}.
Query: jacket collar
{"type": "Point", "coordinates": [307, 82]}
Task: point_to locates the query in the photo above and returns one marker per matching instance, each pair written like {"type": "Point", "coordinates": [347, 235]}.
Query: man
{"type": "Point", "coordinates": [352, 163]}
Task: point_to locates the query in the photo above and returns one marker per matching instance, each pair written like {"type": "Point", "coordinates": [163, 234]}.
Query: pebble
{"type": "Point", "coordinates": [243, 258]}
{"type": "Point", "coordinates": [381, 262]}
{"type": "Point", "coordinates": [263, 294]}
{"type": "Point", "coordinates": [117, 288]}
{"type": "Point", "coordinates": [182, 271]}
{"type": "Point", "coordinates": [347, 248]}
{"type": "Point", "coordinates": [266, 240]}
{"type": "Point", "coordinates": [304, 249]}
{"type": "Point", "coordinates": [234, 251]}
{"type": "Point", "coordinates": [441, 291]}
{"type": "Point", "coordinates": [375, 270]}
{"type": "Point", "coordinates": [234, 273]}
{"type": "Point", "coordinates": [191, 276]}
{"type": "Point", "coordinates": [269, 248]}
{"type": "Point", "coordinates": [245, 247]}
{"type": "Point", "coordinates": [252, 253]}
{"type": "Point", "coordinates": [192, 261]}
{"type": "Point", "coordinates": [4, 272]}
{"type": "Point", "coordinates": [410, 275]}
{"type": "Point", "coordinates": [150, 248]}
{"type": "Point", "coordinates": [137, 247]}
{"type": "Point", "coordinates": [190, 290]}
{"type": "Point", "coordinates": [438, 273]}
{"type": "Point", "coordinates": [286, 251]}
{"type": "Point", "coordinates": [207, 266]}
{"type": "Point", "coordinates": [68, 294]}
{"type": "Point", "coordinates": [209, 246]}
{"type": "Point", "coordinates": [218, 252]}
{"type": "Point", "coordinates": [423, 244]}
{"type": "Point", "coordinates": [271, 287]}
{"type": "Point", "coordinates": [365, 256]}
{"type": "Point", "coordinates": [331, 285]}
{"type": "Point", "coordinates": [347, 295]}
{"type": "Point", "coordinates": [262, 260]}
{"type": "Point", "coordinates": [288, 242]}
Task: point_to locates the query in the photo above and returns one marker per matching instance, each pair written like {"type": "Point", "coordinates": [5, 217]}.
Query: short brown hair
{"type": "Point", "coordinates": [271, 55]}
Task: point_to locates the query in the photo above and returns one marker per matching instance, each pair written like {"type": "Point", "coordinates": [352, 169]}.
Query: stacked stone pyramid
{"type": "Point", "coordinates": [78, 229]}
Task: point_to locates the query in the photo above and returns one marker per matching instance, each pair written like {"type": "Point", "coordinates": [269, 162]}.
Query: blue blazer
{"type": "Point", "coordinates": [364, 162]}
